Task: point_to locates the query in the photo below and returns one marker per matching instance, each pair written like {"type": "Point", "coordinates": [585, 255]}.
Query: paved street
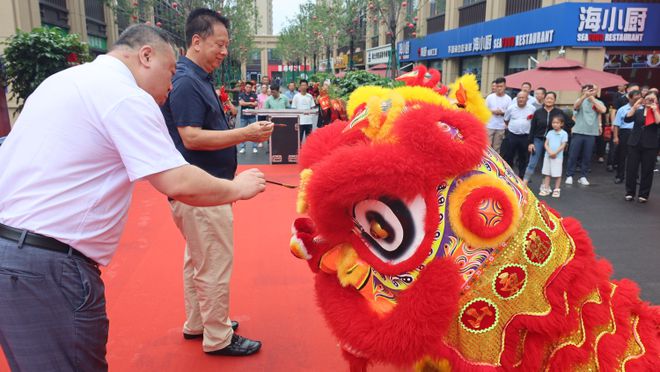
{"type": "Point", "coordinates": [626, 233]}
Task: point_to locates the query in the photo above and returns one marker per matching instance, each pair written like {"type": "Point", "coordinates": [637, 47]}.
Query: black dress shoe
{"type": "Point", "coordinates": [240, 346]}
{"type": "Point", "coordinates": [188, 336]}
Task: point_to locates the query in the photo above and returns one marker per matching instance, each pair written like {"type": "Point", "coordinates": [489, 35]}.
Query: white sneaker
{"type": "Point", "coordinates": [254, 150]}
{"type": "Point", "coordinates": [569, 180]}
{"type": "Point", "coordinates": [544, 191]}
{"type": "Point", "coordinates": [241, 151]}
{"type": "Point", "coordinates": [583, 181]}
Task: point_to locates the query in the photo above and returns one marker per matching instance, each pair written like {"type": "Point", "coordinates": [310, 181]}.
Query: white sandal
{"type": "Point", "coordinates": [556, 193]}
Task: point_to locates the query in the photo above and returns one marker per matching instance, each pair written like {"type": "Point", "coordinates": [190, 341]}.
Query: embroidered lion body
{"type": "Point", "coordinates": [429, 251]}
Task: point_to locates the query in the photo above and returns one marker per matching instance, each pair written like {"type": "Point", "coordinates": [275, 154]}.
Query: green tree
{"type": "Point", "coordinates": [31, 57]}
{"type": "Point", "coordinates": [392, 13]}
{"type": "Point", "coordinates": [172, 15]}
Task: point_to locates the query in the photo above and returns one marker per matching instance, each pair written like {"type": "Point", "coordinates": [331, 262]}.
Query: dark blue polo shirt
{"type": "Point", "coordinates": [194, 102]}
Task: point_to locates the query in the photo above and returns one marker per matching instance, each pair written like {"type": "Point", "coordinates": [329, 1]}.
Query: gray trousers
{"type": "Point", "coordinates": [52, 310]}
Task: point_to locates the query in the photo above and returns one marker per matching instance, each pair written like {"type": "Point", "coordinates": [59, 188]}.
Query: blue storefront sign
{"type": "Point", "coordinates": [566, 24]}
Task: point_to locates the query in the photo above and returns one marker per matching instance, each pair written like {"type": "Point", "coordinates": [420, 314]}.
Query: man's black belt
{"type": "Point", "coordinates": [39, 241]}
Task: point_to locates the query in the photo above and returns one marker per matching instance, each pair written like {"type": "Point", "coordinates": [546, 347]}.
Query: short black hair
{"type": "Point", "coordinates": [559, 117]}
{"type": "Point", "coordinates": [138, 35]}
{"type": "Point", "coordinates": [542, 89]}
{"type": "Point", "coordinates": [528, 83]}
{"type": "Point", "coordinates": [275, 86]}
{"type": "Point", "coordinates": [249, 83]}
{"type": "Point", "coordinates": [201, 21]}
{"type": "Point", "coordinates": [303, 81]}
{"type": "Point", "coordinates": [551, 93]}
{"type": "Point", "coordinates": [633, 93]}
{"type": "Point", "coordinates": [499, 80]}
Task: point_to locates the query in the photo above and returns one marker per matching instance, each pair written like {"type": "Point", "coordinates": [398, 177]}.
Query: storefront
{"type": "Point", "coordinates": [510, 44]}
{"type": "Point", "coordinates": [378, 56]}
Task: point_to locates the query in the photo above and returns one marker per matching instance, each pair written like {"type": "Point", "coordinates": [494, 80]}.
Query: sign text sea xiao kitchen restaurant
{"type": "Point", "coordinates": [566, 24]}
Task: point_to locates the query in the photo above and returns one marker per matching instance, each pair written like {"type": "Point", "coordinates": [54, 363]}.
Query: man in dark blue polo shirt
{"type": "Point", "coordinates": [198, 126]}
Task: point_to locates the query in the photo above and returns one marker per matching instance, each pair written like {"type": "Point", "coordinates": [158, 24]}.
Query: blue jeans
{"type": "Point", "coordinates": [52, 310]}
{"type": "Point", "coordinates": [539, 150]}
{"type": "Point", "coordinates": [245, 121]}
{"type": "Point", "coordinates": [581, 145]}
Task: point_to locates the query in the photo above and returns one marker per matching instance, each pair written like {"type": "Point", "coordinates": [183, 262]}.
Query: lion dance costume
{"type": "Point", "coordinates": [429, 252]}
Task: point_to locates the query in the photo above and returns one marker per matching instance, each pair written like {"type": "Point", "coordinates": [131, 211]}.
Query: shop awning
{"type": "Point", "coordinates": [564, 74]}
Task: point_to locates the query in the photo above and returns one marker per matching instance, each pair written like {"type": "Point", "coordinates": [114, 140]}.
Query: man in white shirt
{"type": "Point", "coordinates": [497, 103]}
{"type": "Point", "coordinates": [69, 165]}
{"type": "Point", "coordinates": [539, 97]}
{"type": "Point", "coordinates": [518, 119]}
{"type": "Point", "coordinates": [304, 101]}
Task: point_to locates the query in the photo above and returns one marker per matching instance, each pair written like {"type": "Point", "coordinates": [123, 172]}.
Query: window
{"type": "Point", "coordinates": [518, 62]}
{"type": "Point", "coordinates": [472, 65]}
{"type": "Point", "coordinates": [519, 6]}
{"type": "Point", "coordinates": [471, 12]}
{"type": "Point", "coordinates": [437, 7]}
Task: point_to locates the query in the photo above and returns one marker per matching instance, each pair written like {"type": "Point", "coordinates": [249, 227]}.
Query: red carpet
{"type": "Point", "coordinates": [272, 292]}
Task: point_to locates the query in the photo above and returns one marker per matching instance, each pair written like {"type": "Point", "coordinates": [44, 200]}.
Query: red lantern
{"type": "Point", "coordinates": [175, 5]}
{"type": "Point", "coordinates": [404, 4]}
{"type": "Point", "coordinates": [410, 25]}
{"type": "Point", "coordinates": [414, 34]}
{"type": "Point", "coordinates": [159, 24]}
{"type": "Point", "coordinates": [134, 17]}
{"type": "Point", "coordinates": [415, 19]}
{"type": "Point", "coordinates": [148, 23]}
{"type": "Point", "coordinates": [135, 3]}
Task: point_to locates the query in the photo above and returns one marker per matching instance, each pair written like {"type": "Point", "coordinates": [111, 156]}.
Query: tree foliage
{"type": "Point", "coordinates": [393, 14]}
{"type": "Point", "coordinates": [172, 15]}
{"type": "Point", "coordinates": [31, 57]}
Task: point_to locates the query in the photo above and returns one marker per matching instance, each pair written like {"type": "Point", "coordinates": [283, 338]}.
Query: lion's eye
{"type": "Point", "coordinates": [390, 228]}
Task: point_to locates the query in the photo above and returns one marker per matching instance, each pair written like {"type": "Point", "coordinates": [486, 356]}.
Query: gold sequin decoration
{"type": "Point", "coordinates": [578, 336]}
{"type": "Point", "coordinates": [487, 348]}
{"type": "Point", "coordinates": [635, 347]}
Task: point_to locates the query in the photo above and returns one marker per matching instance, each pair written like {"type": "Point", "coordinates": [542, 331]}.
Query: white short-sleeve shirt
{"type": "Point", "coordinates": [493, 101]}
{"type": "Point", "coordinates": [305, 102]}
{"type": "Point", "coordinates": [68, 165]}
{"type": "Point", "coordinates": [519, 118]}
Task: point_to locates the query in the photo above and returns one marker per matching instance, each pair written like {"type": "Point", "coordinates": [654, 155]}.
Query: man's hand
{"type": "Point", "coordinates": [250, 183]}
{"type": "Point", "coordinates": [531, 148]}
{"type": "Point", "coordinates": [259, 131]}
{"type": "Point", "coordinates": [615, 140]}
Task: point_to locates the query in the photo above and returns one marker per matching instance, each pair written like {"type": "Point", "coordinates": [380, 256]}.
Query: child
{"type": "Point", "coordinates": [555, 143]}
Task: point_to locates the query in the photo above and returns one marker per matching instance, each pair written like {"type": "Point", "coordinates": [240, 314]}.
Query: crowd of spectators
{"type": "Point", "coordinates": [620, 132]}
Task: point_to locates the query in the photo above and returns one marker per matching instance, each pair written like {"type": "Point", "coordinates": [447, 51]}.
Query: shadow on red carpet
{"type": "Point", "coordinates": [271, 293]}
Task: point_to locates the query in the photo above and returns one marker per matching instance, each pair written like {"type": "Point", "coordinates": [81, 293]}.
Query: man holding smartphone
{"type": "Point", "coordinates": [587, 127]}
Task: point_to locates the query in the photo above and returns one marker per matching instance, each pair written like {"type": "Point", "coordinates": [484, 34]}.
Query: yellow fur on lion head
{"type": "Point", "coordinates": [475, 103]}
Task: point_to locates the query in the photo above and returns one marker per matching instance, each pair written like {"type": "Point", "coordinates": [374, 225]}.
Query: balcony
{"type": "Point", "coordinates": [435, 24]}
{"type": "Point", "coordinates": [519, 6]}
{"type": "Point", "coordinates": [472, 13]}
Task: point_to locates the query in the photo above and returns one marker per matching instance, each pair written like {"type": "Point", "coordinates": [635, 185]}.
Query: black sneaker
{"type": "Point", "coordinates": [240, 346]}
{"type": "Point", "coordinates": [188, 336]}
